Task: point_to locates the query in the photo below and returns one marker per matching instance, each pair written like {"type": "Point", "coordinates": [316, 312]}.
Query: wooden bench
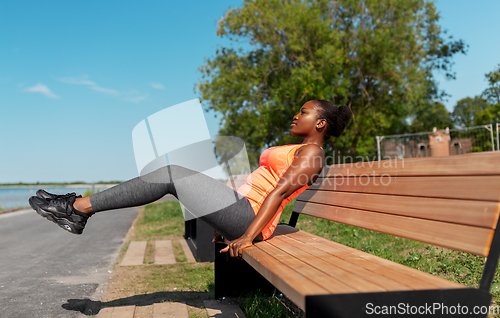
{"type": "Point", "coordinates": [451, 202]}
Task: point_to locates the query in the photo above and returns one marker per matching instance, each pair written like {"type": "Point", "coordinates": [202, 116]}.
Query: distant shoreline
{"type": "Point", "coordinates": [97, 187]}
{"type": "Point", "coordinates": [79, 185]}
{"type": "Point", "coordinates": [14, 209]}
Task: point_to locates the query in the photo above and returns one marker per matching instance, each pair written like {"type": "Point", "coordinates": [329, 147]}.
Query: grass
{"type": "Point", "coordinates": [160, 221]}
{"type": "Point", "coordinates": [89, 192]}
{"type": "Point", "coordinates": [259, 305]}
{"type": "Point", "coordinates": [165, 221]}
{"type": "Point", "coordinates": [185, 277]}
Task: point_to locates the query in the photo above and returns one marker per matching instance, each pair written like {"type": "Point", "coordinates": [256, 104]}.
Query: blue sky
{"type": "Point", "coordinates": [77, 77]}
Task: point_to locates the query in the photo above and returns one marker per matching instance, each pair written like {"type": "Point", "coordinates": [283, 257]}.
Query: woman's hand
{"type": "Point", "coordinates": [236, 246]}
{"type": "Point", "coordinates": [218, 238]}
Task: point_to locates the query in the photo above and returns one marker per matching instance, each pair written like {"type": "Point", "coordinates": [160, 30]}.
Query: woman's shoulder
{"type": "Point", "coordinates": [311, 150]}
{"type": "Point", "coordinates": [298, 148]}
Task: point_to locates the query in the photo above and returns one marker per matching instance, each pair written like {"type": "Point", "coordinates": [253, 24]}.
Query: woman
{"type": "Point", "coordinates": [284, 172]}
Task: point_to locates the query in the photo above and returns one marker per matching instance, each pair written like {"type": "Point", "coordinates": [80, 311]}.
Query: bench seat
{"type": "Point", "coordinates": [300, 264]}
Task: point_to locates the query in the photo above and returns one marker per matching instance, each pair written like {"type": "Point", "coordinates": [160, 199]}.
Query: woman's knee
{"type": "Point", "coordinates": [160, 175]}
{"type": "Point", "coordinates": [179, 172]}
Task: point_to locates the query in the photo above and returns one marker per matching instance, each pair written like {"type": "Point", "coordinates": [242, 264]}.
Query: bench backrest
{"type": "Point", "coordinates": [447, 201]}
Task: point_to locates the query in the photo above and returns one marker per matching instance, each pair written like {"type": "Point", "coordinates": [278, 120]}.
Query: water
{"type": "Point", "coordinates": [15, 197]}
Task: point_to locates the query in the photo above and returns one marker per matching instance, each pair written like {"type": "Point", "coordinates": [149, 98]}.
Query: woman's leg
{"type": "Point", "coordinates": [227, 211]}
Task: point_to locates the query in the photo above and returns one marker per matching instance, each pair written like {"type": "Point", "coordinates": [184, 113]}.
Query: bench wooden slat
{"type": "Point", "coordinates": [411, 277]}
{"type": "Point", "coordinates": [465, 238]}
{"type": "Point", "coordinates": [287, 280]}
{"type": "Point", "coordinates": [365, 270]}
{"type": "Point", "coordinates": [474, 213]}
{"type": "Point", "coordinates": [465, 165]}
{"type": "Point", "coordinates": [355, 276]}
{"type": "Point", "coordinates": [469, 187]}
{"type": "Point", "coordinates": [298, 264]}
{"type": "Point", "coordinates": [329, 283]}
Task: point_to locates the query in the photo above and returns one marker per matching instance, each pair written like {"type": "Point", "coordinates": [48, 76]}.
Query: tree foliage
{"type": "Point", "coordinates": [483, 109]}
{"type": "Point", "coordinates": [492, 93]}
{"type": "Point", "coordinates": [436, 115]}
{"type": "Point", "coordinates": [466, 111]}
{"type": "Point", "coordinates": [375, 56]}
{"type": "Point", "coordinates": [491, 114]}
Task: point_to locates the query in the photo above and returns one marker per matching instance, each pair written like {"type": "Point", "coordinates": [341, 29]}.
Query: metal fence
{"type": "Point", "coordinates": [498, 139]}
{"type": "Point", "coordinates": [447, 142]}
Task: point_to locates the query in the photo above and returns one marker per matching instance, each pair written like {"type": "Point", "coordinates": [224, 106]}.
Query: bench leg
{"type": "Point", "coordinates": [234, 277]}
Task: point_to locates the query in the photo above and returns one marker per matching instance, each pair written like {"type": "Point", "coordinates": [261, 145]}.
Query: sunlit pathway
{"type": "Point", "coordinates": [43, 266]}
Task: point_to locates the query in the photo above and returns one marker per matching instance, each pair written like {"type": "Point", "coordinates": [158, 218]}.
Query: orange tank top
{"type": "Point", "coordinates": [273, 164]}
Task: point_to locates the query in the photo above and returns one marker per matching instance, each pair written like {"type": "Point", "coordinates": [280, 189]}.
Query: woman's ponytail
{"type": "Point", "coordinates": [337, 118]}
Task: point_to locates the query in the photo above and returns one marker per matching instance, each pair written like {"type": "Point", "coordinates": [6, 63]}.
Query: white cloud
{"type": "Point", "coordinates": [131, 96]}
{"type": "Point", "coordinates": [108, 91]}
{"type": "Point", "coordinates": [42, 89]}
{"type": "Point", "coordinates": [136, 99]}
{"type": "Point", "coordinates": [83, 80]}
{"type": "Point", "coordinates": [157, 85]}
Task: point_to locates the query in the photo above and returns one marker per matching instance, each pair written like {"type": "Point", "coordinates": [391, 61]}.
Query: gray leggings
{"type": "Point", "coordinates": [226, 210]}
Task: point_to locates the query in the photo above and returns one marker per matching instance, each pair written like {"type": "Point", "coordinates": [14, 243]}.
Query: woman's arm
{"type": "Point", "coordinates": [304, 169]}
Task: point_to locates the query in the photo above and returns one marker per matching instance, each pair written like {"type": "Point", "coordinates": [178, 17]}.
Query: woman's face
{"type": "Point", "coordinates": [305, 121]}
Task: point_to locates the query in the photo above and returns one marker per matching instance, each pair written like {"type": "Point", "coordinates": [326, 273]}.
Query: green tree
{"type": "Point", "coordinates": [436, 115]}
{"type": "Point", "coordinates": [466, 111]}
{"type": "Point", "coordinates": [492, 93]}
{"type": "Point", "coordinates": [376, 56]}
{"type": "Point", "coordinates": [491, 114]}
{"type": "Point", "coordinates": [480, 110]}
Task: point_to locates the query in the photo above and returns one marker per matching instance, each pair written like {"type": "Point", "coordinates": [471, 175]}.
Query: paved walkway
{"type": "Point", "coordinates": [44, 267]}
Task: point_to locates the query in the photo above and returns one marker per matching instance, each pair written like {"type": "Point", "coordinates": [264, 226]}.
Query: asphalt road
{"type": "Point", "coordinates": [48, 272]}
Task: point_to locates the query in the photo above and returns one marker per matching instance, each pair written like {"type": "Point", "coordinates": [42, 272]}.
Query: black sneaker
{"type": "Point", "coordinates": [61, 211]}
{"type": "Point", "coordinates": [50, 196]}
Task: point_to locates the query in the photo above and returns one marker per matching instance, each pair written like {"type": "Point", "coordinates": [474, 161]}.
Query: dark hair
{"type": "Point", "coordinates": [337, 118]}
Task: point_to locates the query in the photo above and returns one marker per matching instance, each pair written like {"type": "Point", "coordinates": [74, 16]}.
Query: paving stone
{"type": "Point", "coordinates": [164, 253]}
{"type": "Point", "coordinates": [217, 309]}
{"type": "Point", "coordinates": [170, 310]}
{"type": "Point", "coordinates": [135, 254]}
{"type": "Point", "coordinates": [117, 312]}
{"type": "Point", "coordinates": [187, 251]}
